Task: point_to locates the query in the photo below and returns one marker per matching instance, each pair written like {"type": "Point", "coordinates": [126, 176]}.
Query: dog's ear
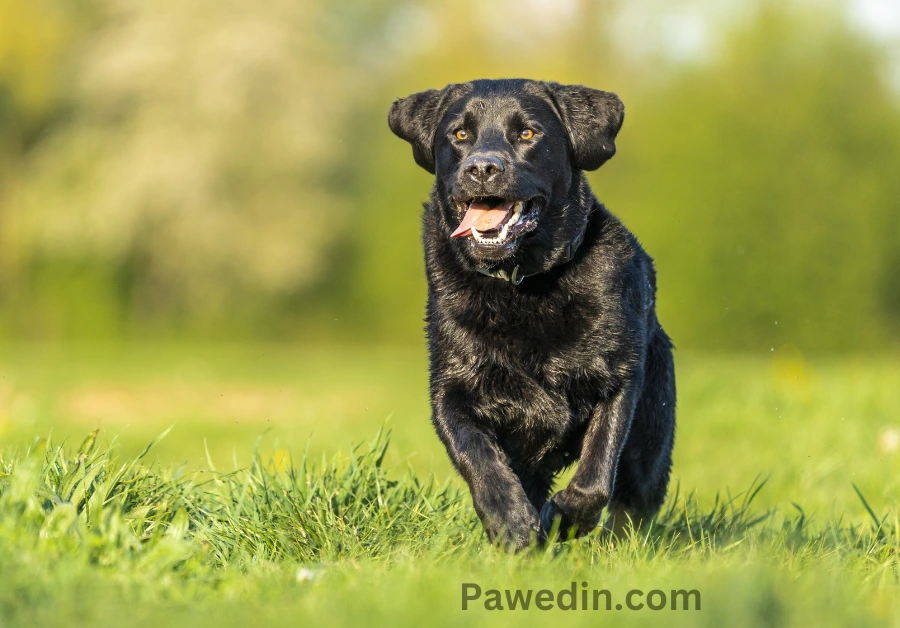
{"type": "Point", "coordinates": [592, 119]}
{"type": "Point", "coordinates": [415, 119]}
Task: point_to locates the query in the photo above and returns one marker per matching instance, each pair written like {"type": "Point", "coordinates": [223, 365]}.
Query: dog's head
{"type": "Point", "coordinates": [508, 157]}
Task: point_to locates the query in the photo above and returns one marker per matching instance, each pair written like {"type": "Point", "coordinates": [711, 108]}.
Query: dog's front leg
{"type": "Point", "coordinates": [500, 501]}
{"type": "Point", "coordinates": [579, 506]}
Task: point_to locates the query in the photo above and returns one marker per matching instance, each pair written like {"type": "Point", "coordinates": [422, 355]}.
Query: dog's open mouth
{"type": "Point", "coordinates": [495, 221]}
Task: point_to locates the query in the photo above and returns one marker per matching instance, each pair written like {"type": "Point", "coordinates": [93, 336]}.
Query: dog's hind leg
{"type": "Point", "coordinates": [642, 475]}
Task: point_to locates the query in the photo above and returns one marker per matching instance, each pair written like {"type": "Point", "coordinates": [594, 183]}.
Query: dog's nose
{"type": "Point", "coordinates": [483, 167]}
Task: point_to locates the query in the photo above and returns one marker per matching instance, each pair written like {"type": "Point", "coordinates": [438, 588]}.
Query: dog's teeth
{"type": "Point", "coordinates": [501, 237]}
{"type": "Point", "coordinates": [481, 238]}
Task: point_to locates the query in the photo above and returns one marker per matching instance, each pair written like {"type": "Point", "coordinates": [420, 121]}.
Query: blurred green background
{"type": "Point", "coordinates": [224, 171]}
{"type": "Point", "coordinates": [204, 219]}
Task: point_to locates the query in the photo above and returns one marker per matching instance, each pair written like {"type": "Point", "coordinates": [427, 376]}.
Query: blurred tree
{"type": "Point", "coordinates": [197, 160]}
{"type": "Point", "coordinates": [763, 180]}
{"type": "Point", "coordinates": [35, 36]}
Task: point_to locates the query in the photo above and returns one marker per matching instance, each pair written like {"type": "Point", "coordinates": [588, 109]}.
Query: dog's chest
{"type": "Point", "coordinates": [534, 399]}
{"type": "Point", "coordinates": [535, 409]}
{"type": "Point", "coordinates": [526, 321]}
{"type": "Point", "coordinates": [533, 366]}
{"type": "Point", "coordinates": [531, 347]}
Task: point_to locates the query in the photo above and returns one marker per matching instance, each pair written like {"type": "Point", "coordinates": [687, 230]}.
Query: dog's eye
{"type": "Point", "coordinates": [461, 134]}
{"type": "Point", "coordinates": [526, 134]}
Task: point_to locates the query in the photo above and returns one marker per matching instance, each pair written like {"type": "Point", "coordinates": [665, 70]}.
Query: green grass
{"type": "Point", "coordinates": [782, 510]}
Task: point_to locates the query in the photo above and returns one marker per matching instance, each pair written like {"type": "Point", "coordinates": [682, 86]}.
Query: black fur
{"type": "Point", "coordinates": [571, 364]}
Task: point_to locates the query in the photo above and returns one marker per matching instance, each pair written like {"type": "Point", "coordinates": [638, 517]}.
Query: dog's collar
{"type": "Point", "coordinates": [515, 278]}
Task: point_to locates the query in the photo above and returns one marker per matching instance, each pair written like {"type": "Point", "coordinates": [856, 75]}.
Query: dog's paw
{"type": "Point", "coordinates": [572, 521]}
{"type": "Point", "coordinates": [518, 530]}
{"type": "Point", "coordinates": [551, 513]}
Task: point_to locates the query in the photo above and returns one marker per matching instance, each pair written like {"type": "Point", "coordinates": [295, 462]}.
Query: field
{"type": "Point", "coordinates": [274, 496]}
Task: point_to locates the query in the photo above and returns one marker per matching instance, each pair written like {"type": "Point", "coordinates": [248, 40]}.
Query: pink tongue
{"type": "Point", "coordinates": [482, 217]}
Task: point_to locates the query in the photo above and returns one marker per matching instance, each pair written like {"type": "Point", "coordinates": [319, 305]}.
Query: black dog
{"type": "Point", "coordinates": [545, 346]}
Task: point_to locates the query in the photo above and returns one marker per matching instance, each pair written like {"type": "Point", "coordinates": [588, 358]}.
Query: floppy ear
{"type": "Point", "coordinates": [415, 119]}
{"type": "Point", "coordinates": [592, 119]}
